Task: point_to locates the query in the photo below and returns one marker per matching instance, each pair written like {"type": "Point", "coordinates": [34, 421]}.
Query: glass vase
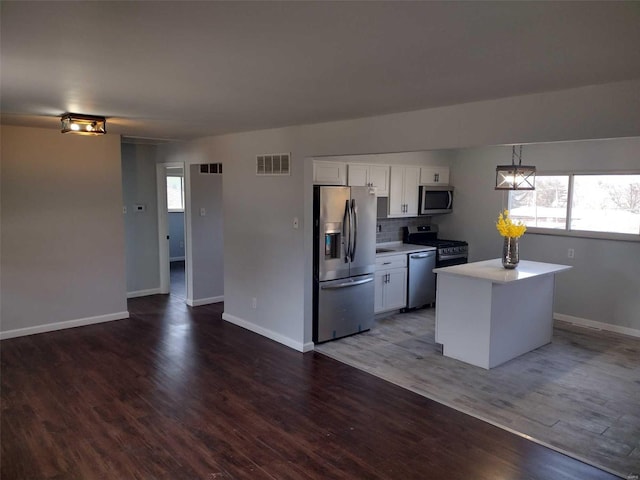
{"type": "Point", "coordinates": [510, 254]}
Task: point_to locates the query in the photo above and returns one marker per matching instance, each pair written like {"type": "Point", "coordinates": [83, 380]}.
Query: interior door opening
{"type": "Point", "coordinates": [176, 228]}
{"type": "Point", "coordinates": [172, 230]}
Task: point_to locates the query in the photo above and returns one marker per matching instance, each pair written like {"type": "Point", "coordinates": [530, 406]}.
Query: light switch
{"type": "Point", "coordinates": [124, 210]}
{"type": "Point", "coordinates": [203, 211]}
{"type": "Point", "coordinates": [296, 224]}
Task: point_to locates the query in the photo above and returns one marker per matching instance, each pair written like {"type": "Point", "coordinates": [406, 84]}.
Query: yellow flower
{"type": "Point", "coordinates": [508, 228]}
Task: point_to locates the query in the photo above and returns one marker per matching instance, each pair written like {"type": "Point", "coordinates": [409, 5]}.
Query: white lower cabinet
{"type": "Point", "coordinates": [391, 283]}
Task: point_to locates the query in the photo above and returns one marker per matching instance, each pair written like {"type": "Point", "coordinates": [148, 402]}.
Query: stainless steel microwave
{"type": "Point", "coordinates": [435, 199]}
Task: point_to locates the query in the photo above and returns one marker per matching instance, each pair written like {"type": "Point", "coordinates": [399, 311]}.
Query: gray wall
{"type": "Point", "coordinates": [266, 258]}
{"type": "Point", "coordinates": [62, 255]}
{"type": "Point", "coordinates": [604, 283]}
{"type": "Point", "coordinates": [141, 228]}
{"type": "Point", "coordinates": [206, 235]}
{"type": "Point", "coordinates": [176, 235]}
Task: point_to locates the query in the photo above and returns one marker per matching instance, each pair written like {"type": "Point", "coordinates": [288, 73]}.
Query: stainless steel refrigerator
{"type": "Point", "coordinates": [344, 252]}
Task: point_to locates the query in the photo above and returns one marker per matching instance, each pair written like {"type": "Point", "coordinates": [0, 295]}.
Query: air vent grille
{"type": "Point", "coordinates": [273, 164]}
{"type": "Point", "coordinates": [211, 168]}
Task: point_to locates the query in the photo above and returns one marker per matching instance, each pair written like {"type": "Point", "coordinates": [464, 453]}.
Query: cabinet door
{"type": "Point", "coordinates": [358, 175]}
{"type": "Point", "coordinates": [434, 176]}
{"type": "Point", "coordinates": [379, 176]}
{"type": "Point", "coordinates": [329, 173]}
{"type": "Point", "coordinates": [411, 190]}
{"type": "Point", "coordinates": [378, 303]}
{"type": "Point", "coordinates": [396, 192]}
{"type": "Point", "coordinates": [395, 291]}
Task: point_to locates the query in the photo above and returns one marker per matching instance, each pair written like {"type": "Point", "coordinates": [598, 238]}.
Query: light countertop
{"type": "Point", "coordinates": [397, 248]}
{"type": "Point", "coordinates": [493, 270]}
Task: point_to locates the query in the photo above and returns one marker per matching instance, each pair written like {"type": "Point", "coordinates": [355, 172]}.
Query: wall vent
{"type": "Point", "coordinates": [273, 164]}
{"type": "Point", "coordinates": [211, 168]}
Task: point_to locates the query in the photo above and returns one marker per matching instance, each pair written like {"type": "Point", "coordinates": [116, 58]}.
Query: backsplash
{"type": "Point", "coordinates": [392, 227]}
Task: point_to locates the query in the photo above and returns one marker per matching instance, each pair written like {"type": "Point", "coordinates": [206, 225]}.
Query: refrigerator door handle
{"type": "Point", "coordinates": [346, 232]}
{"type": "Point", "coordinates": [354, 209]}
{"type": "Point", "coordinates": [346, 284]}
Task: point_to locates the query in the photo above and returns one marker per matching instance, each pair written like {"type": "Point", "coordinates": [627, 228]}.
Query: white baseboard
{"type": "Point", "coordinates": [50, 327]}
{"type": "Point", "coordinates": [204, 301]}
{"type": "Point", "coordinates": [265, 332]}
{"type": "Point", "coordinates": [583, 322]}
{"type": "Point", "coordinates": [176, 259]}
{"type": "Point", "coordinates": [144, 293]}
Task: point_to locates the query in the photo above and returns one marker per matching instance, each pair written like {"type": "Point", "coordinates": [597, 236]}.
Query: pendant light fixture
{"type": "Point", "coordinates": [83, 124]}
{"type": "Point", "coordinates": [515, 177]}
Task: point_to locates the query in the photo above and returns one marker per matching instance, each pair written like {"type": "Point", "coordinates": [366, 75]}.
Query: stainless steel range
{"type": "Point", "coordinates": [449, 252]}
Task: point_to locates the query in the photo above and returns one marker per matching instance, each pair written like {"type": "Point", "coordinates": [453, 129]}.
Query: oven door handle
{"type": "Point", "coordinates": [453, 257]}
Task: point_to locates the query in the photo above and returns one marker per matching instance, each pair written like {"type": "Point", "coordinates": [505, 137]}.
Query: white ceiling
{"type": "Point", "coordinates": [183, 69]}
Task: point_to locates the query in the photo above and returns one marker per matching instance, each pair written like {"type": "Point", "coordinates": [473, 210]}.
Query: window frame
{"type": "Point", "coordinates": [176, 210]}
{"type": "Point", "coordinates": [567, 231]}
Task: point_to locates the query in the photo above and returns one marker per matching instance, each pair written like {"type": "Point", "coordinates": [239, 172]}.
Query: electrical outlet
{"type": "Point", "coordinates": [254, 303]}
{"type": "Point", "coordinates": [571, 253]}
{"type": "Point", "coordinates": [203, 211]}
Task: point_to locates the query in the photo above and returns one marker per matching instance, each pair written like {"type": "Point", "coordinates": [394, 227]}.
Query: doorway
{"type": "Point", "coordinates": [172, 229]}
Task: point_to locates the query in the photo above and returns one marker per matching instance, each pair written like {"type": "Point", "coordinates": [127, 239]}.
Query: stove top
{"type": "Point", "coordinates": [440, 243]}
{"type": "Point", "coordinates": [449, 252]}
{"type": "Point", "coordinates": [428, 235]}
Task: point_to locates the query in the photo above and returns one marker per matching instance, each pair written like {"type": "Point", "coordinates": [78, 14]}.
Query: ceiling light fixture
{"type": "Point", "coordinates": [515, 177]}
{"type": "Point", "coordinates": [83, 124]}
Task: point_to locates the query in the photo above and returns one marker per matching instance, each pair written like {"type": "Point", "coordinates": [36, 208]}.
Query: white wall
{"type": "Point", "coordinates": [267, 259]}
{"type": "Point", "coordinates": [604, 284]}
{"type": "Point", "coordinates": [141, 228]}
{"type": "Point", "coordinates": [62, 259]}
{"type": "Point", "coordinates": [205, 191]}
{"type": "Point", "coordinates": [176, 235]}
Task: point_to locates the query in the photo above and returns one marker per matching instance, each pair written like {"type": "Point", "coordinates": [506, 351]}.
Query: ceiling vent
{"type": "Point", "coordinates": [211, 168]}
{"type": "Point", "coordinates": [273, 164]}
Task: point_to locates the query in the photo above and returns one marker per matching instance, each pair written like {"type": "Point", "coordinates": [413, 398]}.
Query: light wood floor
{"type": "Point", "coordinates": [580, 394]}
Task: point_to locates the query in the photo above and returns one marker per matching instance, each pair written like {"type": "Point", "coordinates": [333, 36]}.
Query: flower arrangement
{"type": "Point", "coordinates": [508, 228]}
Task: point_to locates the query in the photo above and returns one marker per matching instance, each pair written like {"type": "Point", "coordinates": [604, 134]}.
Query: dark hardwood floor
{"type": "Point", "coordinates": [178, 393]}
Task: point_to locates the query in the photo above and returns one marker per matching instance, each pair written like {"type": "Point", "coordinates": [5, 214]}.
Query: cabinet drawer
{"type": "Point", "coordinates": [391, 261]}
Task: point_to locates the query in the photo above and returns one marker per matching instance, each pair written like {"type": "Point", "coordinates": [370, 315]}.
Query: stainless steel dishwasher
{"type": "Point", "coordinates": [421, 288]}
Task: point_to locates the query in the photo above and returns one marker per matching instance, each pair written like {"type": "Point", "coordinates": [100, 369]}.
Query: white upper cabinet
{"type": "Point", "coordinates": [403, 191]}
{"type": "Point", "coordinates": [329, 173]}
{"type": "Point", "coordinates": [361, 175]}
{"type": "Point", "coordinates": [434, 176]}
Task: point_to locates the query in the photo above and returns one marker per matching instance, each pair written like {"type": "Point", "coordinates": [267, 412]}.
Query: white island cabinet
{"type": "Point", "coordinates": [487, 315]}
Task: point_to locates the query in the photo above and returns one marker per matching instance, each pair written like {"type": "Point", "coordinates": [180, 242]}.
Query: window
{"type": "Point", "coordinates": [175, 193]}
{"type": "Point", "coordinates": [581, 203]}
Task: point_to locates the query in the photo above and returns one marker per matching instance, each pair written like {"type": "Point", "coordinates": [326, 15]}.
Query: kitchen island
{"type": "Point", "coordinates": [487, 315]}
